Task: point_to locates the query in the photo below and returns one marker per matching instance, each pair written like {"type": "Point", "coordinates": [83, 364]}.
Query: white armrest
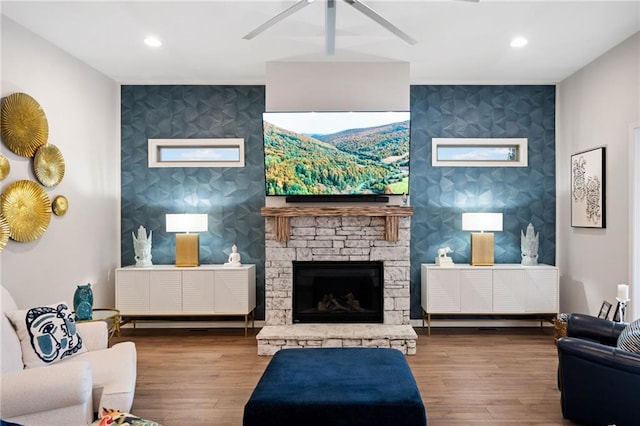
{"type": "Point", "coordinates": [94, 334]}
{"type": "Point", "coordinates": [53, 387]}
{"type": "Point", "coordinates": [114, 375]}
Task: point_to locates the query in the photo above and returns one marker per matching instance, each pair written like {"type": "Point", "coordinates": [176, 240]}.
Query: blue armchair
{"type": "Point", "coordinates": [599, 384]}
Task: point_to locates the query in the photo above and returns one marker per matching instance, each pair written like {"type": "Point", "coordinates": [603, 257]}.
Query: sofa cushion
{"type": "Point", "coordinates": [629, 339]}
{"type": "Point", "coordinates": [47, 334]}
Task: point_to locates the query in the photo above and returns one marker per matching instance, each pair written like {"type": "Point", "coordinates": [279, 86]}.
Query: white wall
{"type": "Point", "coordinates": [82, 108]}
{"type": "Point", "coordinates": [597, 106]}
{"type": "Point", "coordinates": [337, 86]}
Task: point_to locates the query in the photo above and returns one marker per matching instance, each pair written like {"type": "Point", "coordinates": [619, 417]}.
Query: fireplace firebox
{"type": "Point", "coordinates": [338, 292]}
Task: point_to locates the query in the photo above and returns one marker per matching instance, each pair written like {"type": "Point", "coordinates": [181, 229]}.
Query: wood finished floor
{"type": "Point", "coordinates": [467, 376]}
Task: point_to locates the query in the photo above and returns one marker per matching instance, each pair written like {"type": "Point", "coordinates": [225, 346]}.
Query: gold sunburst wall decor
{"type": "Point", "coordinates": [48, 165]}
{"type": "Point", "coordinates": [4, 232]}
{"type": "Point", "coordinates": [23, 124]}
{"type": "Point", "coordinates": [27, 209]}
{"type": "Point", "coordinates": [5, 167]}
{"type": "Point", "coordinates": [60, 205]}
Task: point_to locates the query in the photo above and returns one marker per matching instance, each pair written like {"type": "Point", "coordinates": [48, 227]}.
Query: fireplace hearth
{"type": "Point", "coordinates": [338, 292]}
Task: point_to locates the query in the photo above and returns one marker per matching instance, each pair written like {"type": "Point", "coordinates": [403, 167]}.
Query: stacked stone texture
{"type": "Point", "coordinates": [336, 238]}
{"type": "Point", "coordinates": [269, 347]}
{"type": "Point", "coordinates": [350, 238]}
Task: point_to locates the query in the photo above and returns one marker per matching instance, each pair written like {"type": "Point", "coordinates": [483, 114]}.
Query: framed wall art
{"type": "Point", "coordinates": [588, 183]}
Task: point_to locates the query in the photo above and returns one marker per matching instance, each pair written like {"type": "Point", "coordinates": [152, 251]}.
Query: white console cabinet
{"type": "Point", "coordinates": [501, 289]}
{"type": "Point", "coordinates": [166, 290]}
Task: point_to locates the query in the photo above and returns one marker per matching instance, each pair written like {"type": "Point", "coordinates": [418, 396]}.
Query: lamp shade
{"type": "Point", "coordinates": [482, 221]}
{"type": "Point", "coordinates": [187, 223]}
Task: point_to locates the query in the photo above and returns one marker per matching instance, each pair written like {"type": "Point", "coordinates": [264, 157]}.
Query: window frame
{"type": "Point", "coordinates": [521, 145]}
{"type": "Point", "coordinates": [155, 146]}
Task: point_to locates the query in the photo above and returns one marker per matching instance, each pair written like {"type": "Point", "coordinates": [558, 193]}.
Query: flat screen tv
{"type": "Point", "coordinates": [336, 153]}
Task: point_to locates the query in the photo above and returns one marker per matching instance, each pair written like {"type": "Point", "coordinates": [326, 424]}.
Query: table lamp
{"type": "Point", "coordinates": [187, 242]}
{"type": "Point", "coordinates": [482, 242]}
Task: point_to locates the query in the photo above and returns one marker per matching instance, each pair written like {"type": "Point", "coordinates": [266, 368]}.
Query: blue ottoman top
{"type": "Point", "coordinates": [336, 386]}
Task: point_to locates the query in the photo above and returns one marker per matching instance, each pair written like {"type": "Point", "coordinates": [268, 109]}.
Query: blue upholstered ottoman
{"type": "Point", "coordinates": [336, 386]}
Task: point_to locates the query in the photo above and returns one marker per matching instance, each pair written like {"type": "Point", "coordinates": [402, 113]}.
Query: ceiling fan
{"type": "Point", "coordinates": [330, 21]}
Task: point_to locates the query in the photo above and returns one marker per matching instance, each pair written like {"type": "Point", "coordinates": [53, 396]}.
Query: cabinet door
{"type": "Point", "coordinates": [165, 292]}
{"type": "Point", "coordinates": [231, 292]}
{"type": "Point", "coordinates": [542, 290]}
{"type": "Point", "coordinates": [476, 291]}
{"type": "Point", "coordinates": [508, 291]}
{"type": "Point", "coordinates": [132, 292]}
{"type": "Point", "coordinates": [197, 292]}
{"type": "Point", "coordinates": [443, 290]}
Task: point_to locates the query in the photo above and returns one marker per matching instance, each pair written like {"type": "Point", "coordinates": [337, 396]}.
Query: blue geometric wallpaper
{"type": "Point", "coordinates": [439, 195]}
{"type": "Point", "coordinates": [233, 197]}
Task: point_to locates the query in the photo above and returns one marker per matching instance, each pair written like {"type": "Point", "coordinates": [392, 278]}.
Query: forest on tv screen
{"type": "Point", "coordinates": [373, 160]}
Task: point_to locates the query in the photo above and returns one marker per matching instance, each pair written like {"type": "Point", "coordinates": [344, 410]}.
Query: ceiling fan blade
{"type": "Point", "coordinates": [366, 10]}
{"type": "Point", "coordinates": [330, 28]}
{"type": "Point", "coordinates": [279, 17]}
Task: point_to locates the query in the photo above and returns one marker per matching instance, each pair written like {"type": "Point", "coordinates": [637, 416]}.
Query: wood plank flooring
{"type": "Point", "coordinates": [467, 376]}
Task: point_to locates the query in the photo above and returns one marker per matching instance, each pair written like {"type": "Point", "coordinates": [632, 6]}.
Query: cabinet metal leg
{"type": "Point", "coordinates": [428, 317]}
{"type": "Point", "coordinates": [116, 324]}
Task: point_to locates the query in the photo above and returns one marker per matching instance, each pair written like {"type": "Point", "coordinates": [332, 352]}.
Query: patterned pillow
{"type": "Point", "coordinates": [109, 417]}
{"type": "Point", "coordinates": [47, 334]}
{"type": "Point", "coordinates": [629, 339]}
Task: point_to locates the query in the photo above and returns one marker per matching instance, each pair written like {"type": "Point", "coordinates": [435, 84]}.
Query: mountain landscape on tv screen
{"type": "Point", "coordinates": [373, 160]}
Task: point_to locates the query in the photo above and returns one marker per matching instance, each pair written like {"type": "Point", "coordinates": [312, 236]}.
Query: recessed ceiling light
{"type": "Point", "coordinates": [519, 42]}
{"type": "Point", "coordinates": [152, 41]}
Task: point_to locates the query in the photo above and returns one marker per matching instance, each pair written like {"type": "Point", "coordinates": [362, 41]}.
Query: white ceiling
{"type": "Point", "coordinates": [459, 42]}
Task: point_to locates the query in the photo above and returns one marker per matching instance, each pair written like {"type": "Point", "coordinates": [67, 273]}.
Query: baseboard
{"type": "Point", "coordinates": [147, 323]}
{"type": "Point", "coordinates": [435, 323]}
{"type": "Point", "coordinates": [416, 323]}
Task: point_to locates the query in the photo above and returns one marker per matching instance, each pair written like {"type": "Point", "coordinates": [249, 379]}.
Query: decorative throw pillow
{"type": "Point", "coordinates": [47, 334]}
{"type": "Point", "coordinates": [629, 339]}
{"type": "Point", "coordinates": [109, 417]}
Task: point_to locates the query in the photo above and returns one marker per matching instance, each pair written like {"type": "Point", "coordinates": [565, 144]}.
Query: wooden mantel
{"type": "Point", "coordinates": [390, 213]}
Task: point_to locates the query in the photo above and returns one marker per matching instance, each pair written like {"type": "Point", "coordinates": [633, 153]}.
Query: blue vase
{"type": "Point", "coordinates": [83, 302]}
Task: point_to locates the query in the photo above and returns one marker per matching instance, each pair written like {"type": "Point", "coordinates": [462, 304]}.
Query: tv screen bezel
{"type": "Point", "coordinates": [369, 197]}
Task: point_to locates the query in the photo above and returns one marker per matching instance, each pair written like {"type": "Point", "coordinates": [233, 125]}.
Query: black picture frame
{"type": "Point", "coordinates": [588, 188]}
{"type": "Point", "coordinates": [604, 310]}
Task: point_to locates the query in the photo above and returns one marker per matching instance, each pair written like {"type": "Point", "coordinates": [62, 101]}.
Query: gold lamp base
{"type": "Point", "coordinates": [482, 248]}
{"type": "Point", "coordinates": [187, 250]}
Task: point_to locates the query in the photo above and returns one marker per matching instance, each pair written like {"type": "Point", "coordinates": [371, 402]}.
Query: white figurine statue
{"type": "Point", "coordinates": [529, 246]}
{"type": "Point", "coordinates": [142, 248]}
{"type": "Point", "coordinates": [443, 259]}
{"type": "Point", "coordinates": [234, 257]}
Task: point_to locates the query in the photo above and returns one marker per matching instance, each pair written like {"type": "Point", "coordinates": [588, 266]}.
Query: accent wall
{"type": "Point", "coordinates": [439, 195]}
{"type": "Point", "coordinates": [232, 197]}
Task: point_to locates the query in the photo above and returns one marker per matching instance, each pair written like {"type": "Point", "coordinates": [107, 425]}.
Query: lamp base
{"type": "Point", "coordinates": [187, 250]}
{"type": "Point", "coordinates": [482, 248]}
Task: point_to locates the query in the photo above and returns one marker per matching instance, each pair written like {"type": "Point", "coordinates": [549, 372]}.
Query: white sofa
{"type": "Point", "coordinates": [70, 391]}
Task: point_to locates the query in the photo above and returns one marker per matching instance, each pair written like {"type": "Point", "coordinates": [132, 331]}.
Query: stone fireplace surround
{"type": "Point", "coordinates": [336, 234]}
